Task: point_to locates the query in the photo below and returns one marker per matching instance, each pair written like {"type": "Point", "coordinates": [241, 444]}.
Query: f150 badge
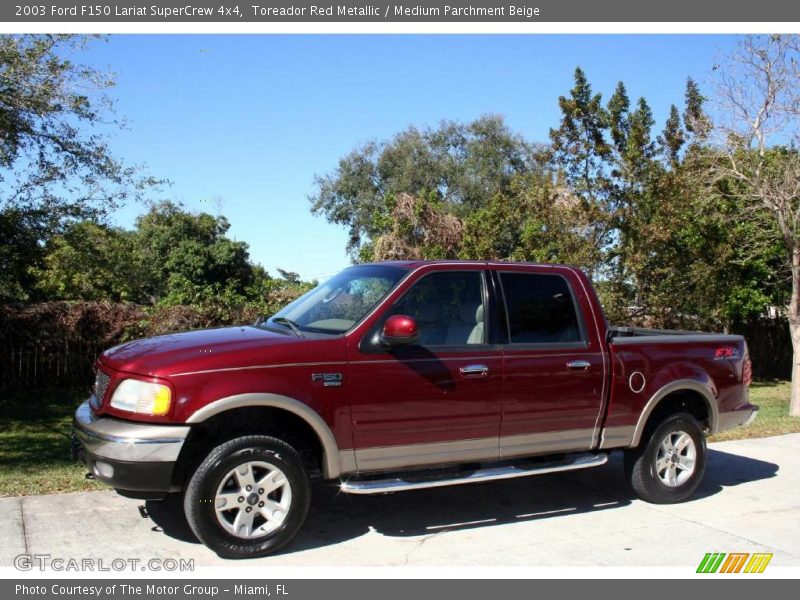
{"type": "Point", "coordinates": [328, 379]}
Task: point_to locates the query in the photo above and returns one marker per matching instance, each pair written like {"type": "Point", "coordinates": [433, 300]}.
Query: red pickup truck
{"type": "Point", "coordinates": [400, 376]}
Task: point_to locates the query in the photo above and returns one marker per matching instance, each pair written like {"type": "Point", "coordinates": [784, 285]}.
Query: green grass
{"type": "Point", "coordinates": [35, 437]}
{"type": "Point", "coordinates": [35, 443]}
{"type": "Point", "coordinates": [773, 417]}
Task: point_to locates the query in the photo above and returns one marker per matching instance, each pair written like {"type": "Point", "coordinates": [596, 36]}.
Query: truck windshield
{"type": "Point", "coordinates": [338, 304]}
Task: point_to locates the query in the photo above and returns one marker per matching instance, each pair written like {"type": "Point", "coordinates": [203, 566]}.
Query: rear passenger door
{"type": "Point", "coordinates": [437, 401]}
{"type": "Point", "coordinates": [553, 363]}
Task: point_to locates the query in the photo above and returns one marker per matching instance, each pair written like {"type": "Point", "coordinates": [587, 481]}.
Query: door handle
{"type": "Point", "coordinates": [474, 371]}
{"type": "Point", "coordinates": [579, 365]}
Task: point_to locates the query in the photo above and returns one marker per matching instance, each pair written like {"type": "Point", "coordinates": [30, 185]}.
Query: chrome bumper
{"type": "Point", "coordinates": [125, 441]}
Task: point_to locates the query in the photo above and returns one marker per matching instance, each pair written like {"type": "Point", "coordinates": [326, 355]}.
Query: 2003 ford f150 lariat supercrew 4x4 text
{"type": "Point", "coordinates": [401, 376]}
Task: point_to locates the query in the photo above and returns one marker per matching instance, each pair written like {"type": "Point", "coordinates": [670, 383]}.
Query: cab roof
{"type": "Point", "coordinates": [413, 264]}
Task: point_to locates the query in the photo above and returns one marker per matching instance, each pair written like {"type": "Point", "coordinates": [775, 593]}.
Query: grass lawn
{"type": "Point", "coordinates": [35, 443]}
{"type": "Point", "coordinates": [35, 437]}
{"type": "Point", "coordinates": [773, 417]}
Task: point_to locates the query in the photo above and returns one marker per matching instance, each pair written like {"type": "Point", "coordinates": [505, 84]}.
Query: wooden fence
{"type": "Point", "coordinates": [770, 347]}
{"type": "Point", "coordinates": [66, 364]}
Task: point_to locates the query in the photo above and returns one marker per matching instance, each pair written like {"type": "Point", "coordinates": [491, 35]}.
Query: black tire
{"type": "Point", "coordinates": [640, 463]}
{"type": "Point", "coordinates": [199, 499]}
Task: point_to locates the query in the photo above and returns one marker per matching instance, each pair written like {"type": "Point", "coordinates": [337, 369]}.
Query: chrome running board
{"type": "Point", "coordinates": [397, 483]}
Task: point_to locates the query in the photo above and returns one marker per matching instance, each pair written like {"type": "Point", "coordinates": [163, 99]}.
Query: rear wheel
{"type": "Point", "coordinates": [669, 466]}
{"type": "Point", "coordinates": [248, 498]}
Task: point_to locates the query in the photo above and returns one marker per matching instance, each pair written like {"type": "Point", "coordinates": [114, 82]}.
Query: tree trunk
{"type": "Point", "coordinates": [794, 405]}
{"type": "Point", "coordinates": [794, 332]}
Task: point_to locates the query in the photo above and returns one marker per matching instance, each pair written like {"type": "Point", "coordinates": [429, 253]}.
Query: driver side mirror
{"type": "Point", "coordinates": [399, 330]}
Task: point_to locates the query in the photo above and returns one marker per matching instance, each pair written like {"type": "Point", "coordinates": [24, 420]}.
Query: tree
{"type": "Point", "coordinates": [463, 165]}
{"type": "Point", "coordinates": [581, 150]}
{"type": "Point", "coordinates": [607, 157]}
{"type": "Point", "coordinates": [673, 138]}
{"type": "Point", "coordinates": [289, 276]}
{"type": "Point", "coordinates": [632, 202]}
{"type": "Point", "coordinates": [188, 256]}
{"type": "Point", "coordinates": [173, 258]}
{"type": "Point", "coordinates": [91, 261]}
{"type": "Point", "coordinates": [539, 220]}
{"type": "Point", "coordinates": [694, 116]}
{"type": "Point", "coordinates": [55, 162]}
{"type": "Point", "coordinates": [20, 232]}
{"type": "Point", "coordinates": [664, 257]}
{"type": "Point", "coordinates": [756, 133]}
{"type": "Point", "coordinates": [420, 229]}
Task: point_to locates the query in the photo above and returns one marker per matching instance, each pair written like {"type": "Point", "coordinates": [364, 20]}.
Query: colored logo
{"type": "Point", "coordinates": [734, 562]}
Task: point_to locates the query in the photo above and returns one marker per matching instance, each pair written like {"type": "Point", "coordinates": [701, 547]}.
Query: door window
{"type": "Point", "coordinates": [541, 309]}
{"type": "Point", "coordinates": [448, 307]}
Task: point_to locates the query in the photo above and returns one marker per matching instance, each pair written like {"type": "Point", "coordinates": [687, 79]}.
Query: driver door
{"type": "Point", "coordinates": [437, 401]}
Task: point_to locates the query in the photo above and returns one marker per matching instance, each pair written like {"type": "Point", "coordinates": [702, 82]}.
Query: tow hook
{"type": "Point", "coordinates": [89, 476]}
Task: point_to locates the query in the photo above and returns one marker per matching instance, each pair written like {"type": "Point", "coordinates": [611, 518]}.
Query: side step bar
{"type": "Point", "coordinates": [490, 473]}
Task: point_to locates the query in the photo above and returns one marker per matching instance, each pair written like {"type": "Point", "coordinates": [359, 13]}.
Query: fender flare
{"type": "Point", "coordinates": [331, 460]}
{"type": "Point", "coordinates": [670, 388]}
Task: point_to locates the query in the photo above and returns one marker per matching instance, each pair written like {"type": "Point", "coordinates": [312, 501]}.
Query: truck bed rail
{"type": "Point", "coordinates": [633, 335]}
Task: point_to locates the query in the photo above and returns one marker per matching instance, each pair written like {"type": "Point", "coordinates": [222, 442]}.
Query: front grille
{"type": "Point", "coordinates": [101, 382]}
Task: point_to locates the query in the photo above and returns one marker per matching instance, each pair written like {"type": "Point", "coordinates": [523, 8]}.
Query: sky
{"type": "Point", "coordinates": [241, 124]}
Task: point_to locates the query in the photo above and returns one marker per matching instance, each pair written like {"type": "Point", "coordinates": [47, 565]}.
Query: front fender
{"type": "Point", "coordinates": [332, 460]}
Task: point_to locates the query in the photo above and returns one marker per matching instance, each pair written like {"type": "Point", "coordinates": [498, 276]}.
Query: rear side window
{"type": "Point", "coordinates": [541, 309]}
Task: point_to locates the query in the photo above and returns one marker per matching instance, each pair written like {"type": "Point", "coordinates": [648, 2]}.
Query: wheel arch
{"type": "Point", "coordinates": [331, 460]}
{"type": "Point", "coordinates": [690, 386]}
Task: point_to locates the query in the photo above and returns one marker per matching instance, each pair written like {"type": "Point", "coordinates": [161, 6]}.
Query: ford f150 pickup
{"type": "Point", "coordinates": [402, 376]}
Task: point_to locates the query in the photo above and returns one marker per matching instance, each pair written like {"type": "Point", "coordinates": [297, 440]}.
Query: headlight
{"type": "Point", "coordinates": [141, 397]}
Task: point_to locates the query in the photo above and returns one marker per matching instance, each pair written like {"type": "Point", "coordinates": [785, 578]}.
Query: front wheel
{"type": "Point", "coordinates": [248, 498]}
{"type": "Point", "coordinates": [670, 465]}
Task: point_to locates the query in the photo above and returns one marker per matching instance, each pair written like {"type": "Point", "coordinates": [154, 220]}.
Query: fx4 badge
{"type": "Point", "coordinates": [328, 379]}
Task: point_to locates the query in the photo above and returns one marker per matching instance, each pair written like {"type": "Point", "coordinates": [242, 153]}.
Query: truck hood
{"type": "Point", "coordinates": [166, 355]}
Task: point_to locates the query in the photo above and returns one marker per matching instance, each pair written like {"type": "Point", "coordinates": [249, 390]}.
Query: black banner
{"type": "Point", "coordinates": [396, 589]}
{"type": "Point", "coordinates": [416, 11]}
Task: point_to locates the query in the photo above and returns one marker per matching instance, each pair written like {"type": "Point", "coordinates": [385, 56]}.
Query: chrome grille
{"type": "Point", "coordinates": [101, 382]}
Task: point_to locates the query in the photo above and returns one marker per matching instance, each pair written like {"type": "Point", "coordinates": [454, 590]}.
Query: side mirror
{"type": "Point", "coordinates": [399, 330]}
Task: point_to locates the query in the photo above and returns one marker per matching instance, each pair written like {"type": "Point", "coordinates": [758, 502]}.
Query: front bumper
{"type": "Point", "coordinates": [132, 457]}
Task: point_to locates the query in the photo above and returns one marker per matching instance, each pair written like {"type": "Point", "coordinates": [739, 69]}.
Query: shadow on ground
{"type": "Point", "coordinates": [337, 517]}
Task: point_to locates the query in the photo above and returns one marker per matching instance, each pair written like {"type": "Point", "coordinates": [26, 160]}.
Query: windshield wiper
{"type": "Point", "coordinates": [290, 324]}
